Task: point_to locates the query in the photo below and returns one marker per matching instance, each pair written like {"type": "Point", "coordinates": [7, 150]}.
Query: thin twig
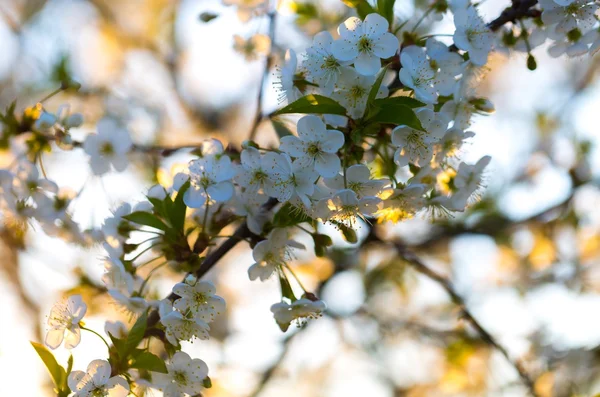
{"type": "Point", "coordinates": [446, 284]}
{"type": "Point", "coordinates": [261, 88]}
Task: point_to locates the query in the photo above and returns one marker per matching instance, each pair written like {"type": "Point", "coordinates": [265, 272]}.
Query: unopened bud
{"type": "Point", "coordinates": [190, 279]}
{"type": "Point", "coordinates": [483, 105]}
{"type": "Point", "coordinates": [531, 63]}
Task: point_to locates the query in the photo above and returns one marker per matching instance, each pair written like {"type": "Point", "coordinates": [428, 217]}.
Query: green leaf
{"type": "Point", "coordinates": [147, 219]}
{"type": "Point", "coordinates": [280, 129]}
{"type": "Point", "coordinates": [376, 86]}
{"type": "Point", "coordinates": [286, 288]}
{"type": "Point", "coordinates": [397, 115]}
{"type": "Point", "coordinates": [207, 16]}
{"type": "Point", "coordinates": [363, 8]}
{"type": "Point", "coordinates": [149, 362]}
{"type": "Point", "coordinates": [120, 345]}
{"type": "Point", "coordinates": [348, 233]}
{"type": "Point", "coordinates": [386, 9]}
{"type": "Point", "coordinates": [177, 212]}
{"type": "Point", "coordinates": [57, 372]}
{"type": "Point", "coordinates": [137, 332]}
{"type": "Point", "coordinates": [399, 100]}
{"type": "Point", "coordinates": [289, 215]}
{"type": "Point", "coordinates": [315, 104]}
{"type": "Point", "coordinates": [322, 241]}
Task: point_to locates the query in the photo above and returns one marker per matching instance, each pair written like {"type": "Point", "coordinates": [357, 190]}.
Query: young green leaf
{"type": "Point", "coordinates": [315, 104]}
{"type": "Point", "coordinates": [289, 215]}
{"type": "Point", "coordinates": [137, 332]}
{"type": "Point", "coordinates": [149, 362]}
{"type": "Point", "coordinates": [147, 219]}
{"type": "Point", "coordinates": [280, 128]}
{"type": "Point", "coordinates": [57, 372]}
{"type": "Point", "coordinates": [177, 212]}
{"type": "Point", "coordinates": [386, 9]}
{"type": "Point", "coordinates": [397, 115]}
{"type": "Point", "coordinates": [376, 86]}
{"type": "Point", "coordinates": [399, 100]}
{"type": "Point", "coordinates": [286, 288]}
{"type": "Point", "coordinates": [363, 8]}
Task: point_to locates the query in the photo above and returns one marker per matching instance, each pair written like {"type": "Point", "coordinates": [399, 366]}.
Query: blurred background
{"type": "Point", "coordinates": [525, 257]}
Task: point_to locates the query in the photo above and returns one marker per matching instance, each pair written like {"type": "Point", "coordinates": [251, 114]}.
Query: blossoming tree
{"type": "Point", "coordinates": [370, 126]}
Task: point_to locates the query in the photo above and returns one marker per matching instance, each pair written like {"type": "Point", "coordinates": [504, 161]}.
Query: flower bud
{"type": "Point", "coordinates": [190, 279]}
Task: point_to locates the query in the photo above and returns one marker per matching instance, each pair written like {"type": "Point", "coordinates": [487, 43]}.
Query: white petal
{"type": "Point", "coordinates": [292, 145]}
{"type": "Point", "coordinates": [367, 64]}
{"type": "Point", "coordinates": [375, 25]}
{"type": "Point", "coordinates": [194, 198]}
{"type": "Point", "coordinates": [386, 46]}
{"type": "Point", "coordinates": [220, 192]}
{"type": "Point", "coordinates": [54, 337]}
{"type": "Point", "coordinates": [328, 164]}
{"type": "Point", "coordinates": [333, 141]}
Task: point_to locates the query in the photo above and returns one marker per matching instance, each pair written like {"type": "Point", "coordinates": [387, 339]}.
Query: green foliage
{"type": "Point", "coordinates": [177, 211]}
{"type": "Point", "coordinates": [136, 334]}
{"type": "Point", "coordinates": [386, 9]}
{"type": "Point", "coordinates": [207, 16]}
{"type": "Point", "coordinates": [148, 361]}
{"type": "Point", "coordinates": [322, 241]}
{"type": "Point", "coordinates": [280, 128]}
{"type": "Point", "coordinates": [10, 125]}
{"type": "Point", "coordinates": [147, 219]}
{"type": "Point", "coordinates": [315, 104]}
{"type": "Point", "coordinates": [363, 8]}
{"type": "Point", "coordinates": [286, 288]}
{"type": "Point", "coordinates": [289, 215]}
{"type": "Point", "coordinates": [396, 114]}
{"type": "Point", "coordinates": [376, 87]}
{"type": "Point", "coordinates": [348, 233]}
{"type": "Point", "coordinates": [58, 373]}
{"type": "Point", "coordinates": [399, 100]}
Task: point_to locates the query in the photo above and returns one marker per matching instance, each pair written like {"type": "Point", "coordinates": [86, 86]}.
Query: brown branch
{"type": "Point", "coordinates": [519, 9]}
{"type": "Point", "coordinates": [241, 233]}
{"type": "Point", "coordinates": [446, 284]}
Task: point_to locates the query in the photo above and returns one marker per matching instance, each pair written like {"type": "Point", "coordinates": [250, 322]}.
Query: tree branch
{"type": "Point", "coordinates": [519, 9]}
{"type": "Point", "coordinates": [446, 284]}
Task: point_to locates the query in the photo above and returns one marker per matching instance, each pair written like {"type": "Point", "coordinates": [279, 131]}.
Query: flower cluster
{"type": "Point", "coordinates": [379, 139]}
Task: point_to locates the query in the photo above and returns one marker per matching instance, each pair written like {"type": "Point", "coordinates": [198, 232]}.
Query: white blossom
{"type": "Point", "coordinates": [108, 147]}
{"type": "Point", "coordinates": [64, 322]}
{"type": "Point", "coordinates": [185, 376]}
{"type": "Point", "coordinates": [364, 43]}
{"type": "Point", "coordinates": [300, 311]}
{"type": "Point", "coordinates": [97, 381]}
{"type": "Point", "coordinates": [198, 299]}
{"type": "Point", "coordinates": [315, 146]}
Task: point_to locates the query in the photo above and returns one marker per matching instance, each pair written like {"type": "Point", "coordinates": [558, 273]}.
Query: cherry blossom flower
{"type": "Point", "coordinates": [185, 376]}
{"type": "Point", "coordinates": [322, 66]}
{"type": "Point", "coordinates": [199, 299]}
{"type": "Point", "coordinates": [300, 311]}
{"type": "Point", "coordinates": [345, 207]}
{"type": "Point", "coordinates": [473, 35]}
{"type": "Point", "coordinates": [364, 43]}
{"type": "Point", "coordinates": [210, 179]}
{"type": "Point", "coordinates": [108, 148]}
{"type": "Point", "coordinates": [358, 179]}
{"type": "Point", "coordinates": [352, 91]}
{"type": "Point", "coordinates": [315, 146]}
{"type": "Point", "coordinates": [64, 322]}
{"type": "Point", "coordinates": [97, 381]}
{"type": "Point", "coordinates": [271, 254]}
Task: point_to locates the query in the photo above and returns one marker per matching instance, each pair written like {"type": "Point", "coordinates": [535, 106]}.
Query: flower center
{"type": "Point", "coordinates": [357, 92]}
{"type": "Point", "coordinates": [330, 63]}
{"type": "Point", "coordinates": [313, 149]}
{"type": "Point", "coordinates": [107, 149]}
{"type": "Point", "coordinates": [180, 378]}
{"type": "Point", "coordinates": [365, 44]}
